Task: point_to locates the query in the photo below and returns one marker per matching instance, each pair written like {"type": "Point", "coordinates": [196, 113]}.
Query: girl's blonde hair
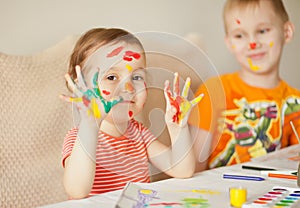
{"type": "Point", "coordinates": [94, 39]}
{"type": "Point", "coordinates": [277, 5]}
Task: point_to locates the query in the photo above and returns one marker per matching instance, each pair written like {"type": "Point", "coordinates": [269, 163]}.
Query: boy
{"type": "Point", "coordinates": [260, 107]}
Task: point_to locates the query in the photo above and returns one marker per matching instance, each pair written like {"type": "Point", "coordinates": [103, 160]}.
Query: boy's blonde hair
{"type": "Point", "coordinates": [277, 5]}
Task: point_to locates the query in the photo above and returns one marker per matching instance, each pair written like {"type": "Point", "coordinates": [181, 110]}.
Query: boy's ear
{"type": "Point", "coordinates": [289, 30]}
{"type": "Point", "coordinates": [228, 44]}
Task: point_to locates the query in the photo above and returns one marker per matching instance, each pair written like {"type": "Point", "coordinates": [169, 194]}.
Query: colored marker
{"type": "Point", "coordinates": [242, 177]}
{"type": "Point", "coordinates": [256, 168]}
{"type": "Point", "coordinates": [276, 175]}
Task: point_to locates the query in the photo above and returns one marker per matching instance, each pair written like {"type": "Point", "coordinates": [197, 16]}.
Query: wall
{"type": "Point", "coordinates": [30, 26]}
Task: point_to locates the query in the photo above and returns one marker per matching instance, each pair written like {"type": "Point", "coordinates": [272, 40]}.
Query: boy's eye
{"type": "Point", "coordinates": [263, 31]}
{"type": "Point", "coordinates": [238, 36]}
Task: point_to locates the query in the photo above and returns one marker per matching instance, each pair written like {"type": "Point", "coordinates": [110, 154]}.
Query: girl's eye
{"type": "Point", "coordinates": [111, 77]}
{"type": "Point", "coordinates": [137, 77]}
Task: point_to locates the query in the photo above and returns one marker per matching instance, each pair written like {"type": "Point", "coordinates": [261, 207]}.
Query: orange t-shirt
{"type": "Point", "coordinates": [246, 121]}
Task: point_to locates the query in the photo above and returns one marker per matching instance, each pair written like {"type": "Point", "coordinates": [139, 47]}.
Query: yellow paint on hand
{"type": "Point", "coordinates": [197, 99]}
{"type": "Point", "coordinates": [185, 107]}
{"type": "Point", "coordinates": [186, 88]}
{"type": "Point", "coordinates": [76, 99]}
{"type": "Point", "coordinates": [95, 109]}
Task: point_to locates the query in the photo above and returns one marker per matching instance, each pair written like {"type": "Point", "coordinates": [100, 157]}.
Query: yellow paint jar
{"type": "Point", "coordinates": [238, 196]}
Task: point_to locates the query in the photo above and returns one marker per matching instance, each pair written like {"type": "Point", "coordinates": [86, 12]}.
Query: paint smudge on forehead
{"type": "Point", "coordinates": [238, 21]}
{"type": "Point", "coordinates": [115, 52]}
{"type": "Point", "coordinates": [130, 55]}
{"type": "Point", "coordinates": [128, 67]}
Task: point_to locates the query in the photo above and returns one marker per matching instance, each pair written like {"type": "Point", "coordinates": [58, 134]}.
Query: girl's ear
{"type": "Point", "coordinates": [289, 30]}
{"type": "Point", "coordinates": [228, 44]}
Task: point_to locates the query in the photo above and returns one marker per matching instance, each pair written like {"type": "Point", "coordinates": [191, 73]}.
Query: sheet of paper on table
{"type": "Point", "coordinates": [139, 195]}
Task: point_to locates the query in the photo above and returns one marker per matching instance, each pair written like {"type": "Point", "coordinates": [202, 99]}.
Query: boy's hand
{"type": "Point", "coordinates": [178, 107]}
{"type": "Point", "coordinates": [89, 102]}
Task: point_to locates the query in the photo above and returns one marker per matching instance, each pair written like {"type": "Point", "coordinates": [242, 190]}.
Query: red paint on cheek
{"type": "Point", "coordinates": [130, 113]}
{"type": "Point", "coordinates": [238, 21]}
{"type": "Point", "coordinates": [105, 92]}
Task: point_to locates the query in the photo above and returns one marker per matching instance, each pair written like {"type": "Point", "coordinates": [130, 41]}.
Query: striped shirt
{"type": "Point", "coordinates": [118, 160]}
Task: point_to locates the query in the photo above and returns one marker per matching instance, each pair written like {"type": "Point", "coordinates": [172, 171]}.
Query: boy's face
{"type": "Point", "coordinates": [121, 73]}
{"type": "Point", "coordinates": [256, 36]}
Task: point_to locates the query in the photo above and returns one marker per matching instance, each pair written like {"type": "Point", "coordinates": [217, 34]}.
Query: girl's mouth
{"type": "Point", "coordinates": [128, 101]}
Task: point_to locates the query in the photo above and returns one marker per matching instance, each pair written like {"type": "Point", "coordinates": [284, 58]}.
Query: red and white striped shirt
{"type": "Point", "coordinates": [118, 160]}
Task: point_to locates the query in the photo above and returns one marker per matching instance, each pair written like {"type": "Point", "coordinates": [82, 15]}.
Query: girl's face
{"type": "Point", "coordinates": [255, 35]}
{"type": "Point", "coordinates": [120, 72]}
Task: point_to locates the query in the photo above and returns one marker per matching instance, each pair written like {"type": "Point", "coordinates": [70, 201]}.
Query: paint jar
{"type": "Point", "coordinates": [238, 196]}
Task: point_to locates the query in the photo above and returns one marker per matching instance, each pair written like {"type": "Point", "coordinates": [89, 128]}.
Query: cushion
{"type": "Point", "coordinates": [33, 123]}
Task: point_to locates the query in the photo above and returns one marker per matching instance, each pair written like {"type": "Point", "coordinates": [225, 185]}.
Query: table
{"type": "Point", "coordinates": [209, 185]}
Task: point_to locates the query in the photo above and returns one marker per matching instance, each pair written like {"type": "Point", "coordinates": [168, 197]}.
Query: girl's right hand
{"type": "Point", "coordinates": [89, 102]}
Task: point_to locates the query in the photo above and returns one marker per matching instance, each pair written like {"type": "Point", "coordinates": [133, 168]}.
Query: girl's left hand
{"type": "Point", "coordinates": [178, 107]}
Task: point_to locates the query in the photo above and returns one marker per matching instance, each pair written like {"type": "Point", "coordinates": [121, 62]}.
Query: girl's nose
{"type": "Point", "coordinates": [129, 87]}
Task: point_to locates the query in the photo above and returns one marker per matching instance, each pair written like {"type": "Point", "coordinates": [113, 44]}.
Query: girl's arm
{"type": "Point", "coordinates": [202, 147]}
{"type": "Point", "coordinates": [178, 160]}
{"type": "Point", "coordinates": [80, 166]}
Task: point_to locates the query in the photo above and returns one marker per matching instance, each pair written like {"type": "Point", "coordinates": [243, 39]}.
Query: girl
{"type": "Point", "coordinates": [109, 147]}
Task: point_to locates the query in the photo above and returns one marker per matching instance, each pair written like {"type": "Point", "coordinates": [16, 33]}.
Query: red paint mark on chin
{"type": "Point", "coordinates": [105, 92]}
{"type": "Point", "coordinates": [115, 52]}
{"type": "Point", "coordinates": [130, 113]}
